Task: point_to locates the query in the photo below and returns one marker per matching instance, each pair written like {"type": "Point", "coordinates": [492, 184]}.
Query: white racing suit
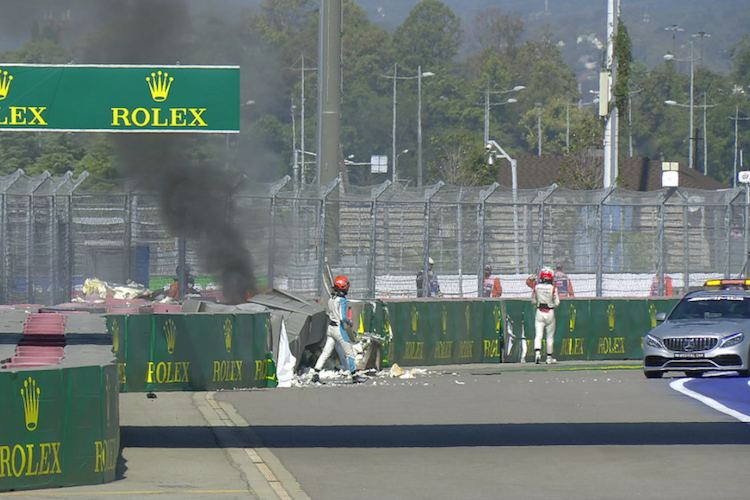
{"type": "Point", "coordinates": [335, 334]}
{"type": "Point", "coordinates": [544, 296]}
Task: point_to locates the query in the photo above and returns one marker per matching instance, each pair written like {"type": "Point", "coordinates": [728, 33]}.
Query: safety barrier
{"type": "Point", "coordinates": [439, 332]}
{"type": "Point", "coordinates": [192, 352]}
{"type": "Point", "coordinates": [60, 427]}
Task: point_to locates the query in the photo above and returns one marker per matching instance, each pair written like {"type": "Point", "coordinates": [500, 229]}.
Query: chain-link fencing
{"type": "Point", "coordinates": [57, 232]}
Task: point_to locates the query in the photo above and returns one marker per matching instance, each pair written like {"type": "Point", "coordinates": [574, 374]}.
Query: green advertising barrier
{"type": "Point", "coordinates": [118, 98]}
{"type": "Point", "coordinates": [60, 427]}
{"type": "Point", "coordinates": [192, 352]}
{"type": "Point", "coordinates": [441, 332]}
{"type": "Point", "coordinates": [587, 329]}
{"type": "Point", "coordinates": [435, 332]}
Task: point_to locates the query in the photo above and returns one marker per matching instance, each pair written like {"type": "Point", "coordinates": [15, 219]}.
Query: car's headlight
{"type": "Point", "coordinates": [653, 341]}
{"type": "Point", "coordinates": [733, 339]}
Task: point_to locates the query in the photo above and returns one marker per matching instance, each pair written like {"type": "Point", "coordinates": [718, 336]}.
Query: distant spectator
{"type": "Point", "coordinates": [492, 286]}
{"type": "Point", "coordinates": [433, 289]}
{"type": "Point", "coordinates": [667, 285]}
{"type": "Point", "coordinates": [562, 282]}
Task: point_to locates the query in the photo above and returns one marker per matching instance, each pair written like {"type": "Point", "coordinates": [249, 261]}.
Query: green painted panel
{"type": "Point", "coordinates": [493, 325]}
{"type": "Point", "coordinates": [572, 330]}
{"type": "Point", "coordinates": [117, 98]}
{"type": "Point", "coordinates": [198, 352]}
{"type": "Point", "coordinates": [60, 427]}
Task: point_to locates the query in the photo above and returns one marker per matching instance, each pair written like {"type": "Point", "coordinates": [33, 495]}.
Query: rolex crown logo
{"type": "Point", "coordinates": [5, 80]}
{"type": "Point", "coordinates": [445, 320]}
{"type": "Point", "coordinates": [159, 84]}
{"type": "Point", "coordinates": [572, 311]}
{"type": "Point", "coordinates": [115, 336]}
{"type": "Point", "coordinates": [107, 389]}
{"type": "Point", "coordinates": [228, 334]}
{"type": "Point", "coordinates": [414, 319]}
{"type": "Point", "coordinates": [30, 394]}
{"type": "Point", "coordinates": [498, 318]}
{"type": "Point", "coordinates": [611, 316]}
{"type": "Point", "coordinates": [170, 330]}
{"type": "Point", "coordinates": [652, 315]}
{"type": "Point", "coordinates": [468, 319]}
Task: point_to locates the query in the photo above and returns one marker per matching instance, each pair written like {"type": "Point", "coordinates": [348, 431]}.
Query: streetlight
{"type": "Point", "coordinates": [704, 106]}
{"type": "Point", "coordinates": [567, 118]}
{"type": "Point", "coordinates": [493, 150]}
{"type": "Point", "coordinates": [418, 77]}
{"type": "Point", "coordinates": [539, 128]}
{"type": "Point", "coordinates": [487, 105]}
{"type": "Point", "coordinates": [395, 160]}
{"type": "Point", "coordinates": [702, 35]}
{"type": "Point", "coordinates": [674, 29]}
{"type": "Point", "coordinates": [736, 119]}
{"type": "Point", "coordinates": [670, 57]}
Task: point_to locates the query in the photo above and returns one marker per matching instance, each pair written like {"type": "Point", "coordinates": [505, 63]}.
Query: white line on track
{"type": "Point", "coordinates": [679, 386]}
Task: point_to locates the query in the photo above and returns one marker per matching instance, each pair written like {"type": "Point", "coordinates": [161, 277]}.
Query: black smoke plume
{"type": "Point", "coordinates": [194, 193]}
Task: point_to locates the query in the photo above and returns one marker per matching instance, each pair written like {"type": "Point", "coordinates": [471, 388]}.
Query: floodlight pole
{"type": "Point", "coordinates": [494, 148]}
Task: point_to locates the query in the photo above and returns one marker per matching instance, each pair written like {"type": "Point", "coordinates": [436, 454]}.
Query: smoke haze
{"type": "Point", "coordinates": [193, 193]}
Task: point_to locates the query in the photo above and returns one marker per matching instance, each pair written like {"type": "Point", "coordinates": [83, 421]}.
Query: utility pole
{"type": "Point", "coordinates": [329, 92]}
{"type": "Point", "coordinates": [606, 108]}
{"type": "Point", "coordinates": [702, 35]}
{"type": "Point", "coordinates": [302, 116]}
{"type": "Point", "coordinates": [736, 119]}
{"type": "Point", "coordinates": [539, 128]}
{"type": "Point", "coordinates": [487, 105]}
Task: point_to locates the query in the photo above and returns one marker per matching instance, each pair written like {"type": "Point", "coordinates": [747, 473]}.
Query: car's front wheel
{"type": "Point", "coordinates": [694, 373]}
{"type": "Point", "coordinates": [653, 374]}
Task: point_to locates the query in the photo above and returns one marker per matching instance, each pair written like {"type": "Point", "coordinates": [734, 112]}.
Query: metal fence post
{"type": "Point", "coordinates": [128, 233]}
{"type": "Point", "coordinates": [481, 216]}
{"type": "Point", "coordinates": [322, 234]}
{"type": "Point", "coordinates": [600, 241]}
{"type": "Point", "coordinates": [540, 240]}
{"type": "Point", "coordinates": [728, 225]}
{"type": "Point", "coordinates": [4, 251]}
{"type": "Point", "coordinates": [661, 264]}
{"type": "Point", "coordinates": [376, 192]}
{"type": "Point", "coordinates": [31, 238]}
{"type": "Point", "coordinates": [459, 228]}
{"type": "Point", "coordinates": [275, 188]}
{"type": "Point", "coordinates": [428, 194]}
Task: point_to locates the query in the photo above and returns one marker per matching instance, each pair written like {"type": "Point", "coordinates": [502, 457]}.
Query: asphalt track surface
{"type": "Point", "coordinates": [584, 431]}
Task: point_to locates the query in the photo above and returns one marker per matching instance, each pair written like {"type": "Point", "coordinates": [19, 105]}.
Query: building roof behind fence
{"type": "Point", "coordinates": [636, 174]}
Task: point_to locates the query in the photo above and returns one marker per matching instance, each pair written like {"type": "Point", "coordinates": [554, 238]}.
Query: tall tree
{"type": "Point", "coordinates": [430, 36]}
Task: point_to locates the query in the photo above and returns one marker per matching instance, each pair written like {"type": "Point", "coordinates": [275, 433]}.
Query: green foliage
{"type": "Point", "coordinates": [623, 53]}
{"type": "Point", "coordinates": [42, 51]}
{"type": "Point", "coordinates": [461, 160]}
{"type": "Point", "coordinates": [430, 36]}
{"type": "Point", "coordinates": [268, 42]}
{"type": "Point", "coordinates": [740, 56]}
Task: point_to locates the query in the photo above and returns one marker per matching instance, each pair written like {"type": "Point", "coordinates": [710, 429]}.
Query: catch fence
{"type": "Point", "coordinates": [55, 232]}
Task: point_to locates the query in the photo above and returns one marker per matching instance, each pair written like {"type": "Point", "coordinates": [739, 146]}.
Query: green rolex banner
{"type": "Point", "coordinates": [119, 98]}
{"type": "Point", "coordinates": [192, 352]}
{"type": "Point", "coordinates": [60, 427]}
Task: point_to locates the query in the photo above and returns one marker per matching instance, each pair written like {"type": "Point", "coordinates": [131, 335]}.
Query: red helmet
{"type": "Point", "coordinates": [342, 283]}
{"type": "Point", "coordinates": [546, 274]}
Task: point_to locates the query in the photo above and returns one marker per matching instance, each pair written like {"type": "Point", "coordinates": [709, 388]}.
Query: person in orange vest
{"type": "Point", "coordinates": [667, 285]}
{"type": "Point", "coordinates": [492, 286]}
{"type": "Point", "coordinates": [562, 282]}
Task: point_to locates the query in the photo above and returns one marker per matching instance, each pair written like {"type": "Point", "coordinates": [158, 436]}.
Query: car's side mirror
{"type": "Point", "coordinates": [660, 316]}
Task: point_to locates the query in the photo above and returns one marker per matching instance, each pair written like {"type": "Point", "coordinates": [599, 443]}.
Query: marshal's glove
{"type": "Point", "coordinates": [531, 281]}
